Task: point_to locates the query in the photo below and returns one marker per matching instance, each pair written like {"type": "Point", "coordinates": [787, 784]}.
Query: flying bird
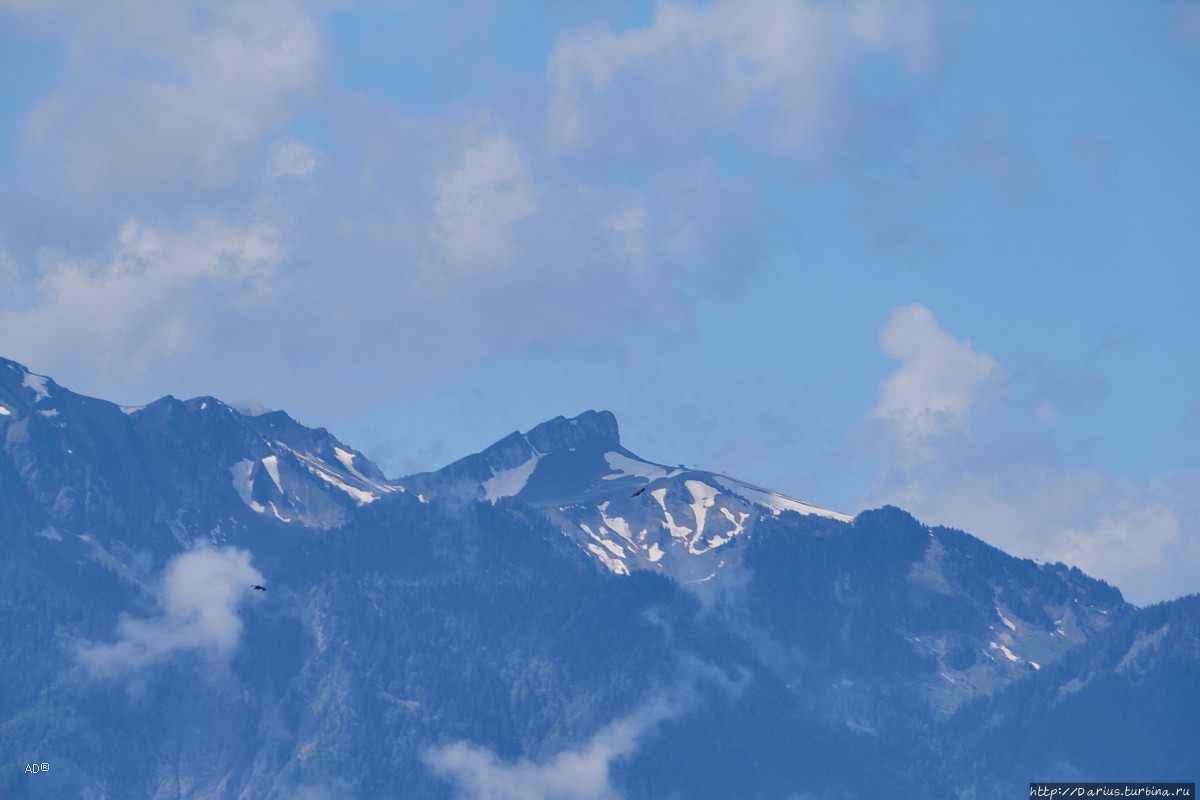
{"type": "Point", "coordinates": [258, 588]}
{"type": "Point", "coordinates": [639, 491]}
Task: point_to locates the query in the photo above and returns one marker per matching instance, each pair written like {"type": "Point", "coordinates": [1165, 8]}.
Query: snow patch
{"type": "Point", "coordinates": [677, 531]}
{"type": "Point", "coordinates": [612, 546]}
{"type": "Point", "coordinates": [509, 482]}
{"type": "Point", "coordinates": [361, 496]}
{"type": "Point", "coordinates": [4, 412]}
{"type": "Point", "coordinates": [347, 459]}
{"type": "Point", "coordinates": [624, 465]}
{"type": "Point", "coordinates": [272, 465]}
{"type": "Point", "coordinates": [773, 501]}
{"type": "Point", "coordinates": [243, 483]}
{"type": "Point", "coordinates": [613, 564]}
{"type": "Point", "coordinates": [655, 553]}
{"type": "Point", "coordinates": [739, 524]}
{"type": "Point", "coordinates": [1007, 653]}
{"type": "Point", "coordinates": [618, 524]}
{"type": "Point", "coordinates": [703, 498]}
{"type": "Point", "coordinates": [38, 384]}
{"type": "Point", "coordinates": [323, 471]}
{"type": "Point", "coordinates": [127, 410]}
{"type": "Point", "coordinates": [1005, 620]}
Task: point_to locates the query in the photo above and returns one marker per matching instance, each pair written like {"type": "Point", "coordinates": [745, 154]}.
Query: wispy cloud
{"type": "Point", "coordinates": [783, 68]}
{"type": "Point", "coordinates": [479, 201]}
{"type": "Point", "coordinates": [959, 444]}
{"type": "Point", "coordinates": [168, 94]}
{"type": "Point", "coordinates": [198, 599]}
{"type": "Point", "coordinates": [156, 296]}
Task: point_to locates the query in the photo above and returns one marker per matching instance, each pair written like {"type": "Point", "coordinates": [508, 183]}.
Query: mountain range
{"type": "Point", "coordinates": [554, 616]}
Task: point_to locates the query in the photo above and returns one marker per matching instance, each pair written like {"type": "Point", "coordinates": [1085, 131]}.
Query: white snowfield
{"type": "Point", "coordinates": [623, 466]}
{"type": "Point", "coordinates": [777, 503]}
{"type": "Point", "coordinates": [508, 482]}
{"type": "Point", "coordinates": [698, 515]}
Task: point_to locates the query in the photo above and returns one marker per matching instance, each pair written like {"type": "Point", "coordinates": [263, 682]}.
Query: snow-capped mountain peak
{"type": "Point", "coordinates": [628, 512]}
{"type": "Point", "coordinates": [200, 452]}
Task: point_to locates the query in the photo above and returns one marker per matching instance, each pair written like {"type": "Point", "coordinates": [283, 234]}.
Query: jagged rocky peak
{"type": "Point", "coordinates": [553, 436]}
{"type": "Point", "coordinates": [628, 512]}
{"type": "Point", "coordinates": [200, 453]}
{"type": "Point", "coordinates": [504, 468]}
{"type": "Point", "coordinates": [561, 433]}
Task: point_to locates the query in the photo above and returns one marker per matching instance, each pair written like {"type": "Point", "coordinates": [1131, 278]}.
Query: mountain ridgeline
{"type": "Point", "coordinates": [554, 616]}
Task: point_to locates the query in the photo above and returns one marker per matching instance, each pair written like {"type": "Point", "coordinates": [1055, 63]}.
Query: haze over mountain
{"type": "Point", "coordinates": [554, 616]}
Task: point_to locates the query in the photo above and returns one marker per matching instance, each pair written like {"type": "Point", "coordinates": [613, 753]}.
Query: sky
{"type": "Point", "coordinates": [939, 255]}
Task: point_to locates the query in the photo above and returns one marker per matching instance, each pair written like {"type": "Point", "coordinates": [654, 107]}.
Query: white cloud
{"type": "Point", "coordinates": [933, 389]}
{"type": "Point", "coordinates": [198, 599]}
{"type": "Point", "coordinates": [783, 64]}
{"type": "Point", "coordinates": [8, 269]}
{"type": "Point", "coordinates": [958, 445]}
{"type": "Point", "coordinates": [580, 774]}
{"type": "Point", "coordinates": [479, 201]}
{"type": "Point", "coordinates": [153, 298]}
{"type": "Point", "coordinates": [291, 158]}
{"type": "Point", "coordinates": [386, 252]}
{"type": "Point", "coordinates": [177, 94]}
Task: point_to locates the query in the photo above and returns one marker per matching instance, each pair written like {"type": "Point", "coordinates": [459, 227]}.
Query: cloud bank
{"type": "Point", "coordinates": [237, 220]}
{"type": "Point", "coordinates": [198, 598]}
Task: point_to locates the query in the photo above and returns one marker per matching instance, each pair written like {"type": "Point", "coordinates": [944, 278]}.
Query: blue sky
{"type": "Point", "coordinates": [940, 255]}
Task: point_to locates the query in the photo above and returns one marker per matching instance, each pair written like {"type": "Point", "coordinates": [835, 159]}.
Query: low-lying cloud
{"type": "Point", "coordinates": [577, 774]}
{"type": "Point", "coordinates": [198, 598]}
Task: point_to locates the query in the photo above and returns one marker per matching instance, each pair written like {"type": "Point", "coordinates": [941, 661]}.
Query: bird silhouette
{"type": "Point", "coordinates": [258, 588]}
{"type": "Point", "coordinates": [639, 491]}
